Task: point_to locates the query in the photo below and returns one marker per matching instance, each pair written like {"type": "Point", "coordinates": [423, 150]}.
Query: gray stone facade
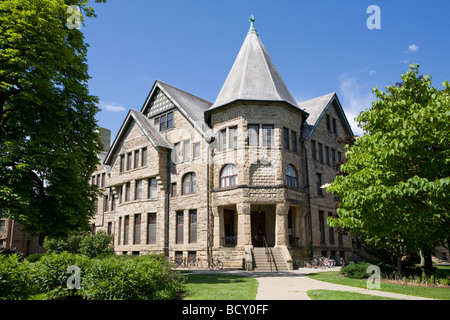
{"type": "Point", "coordinates": [186, 177]}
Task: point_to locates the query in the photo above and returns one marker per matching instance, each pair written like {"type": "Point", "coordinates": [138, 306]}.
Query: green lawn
{"type": "Point", "coordinates": [428, 292]}
{"type": "Point", "coordinates": [342, 295]}
{"type": "Point", "coordinates": [220, 287]}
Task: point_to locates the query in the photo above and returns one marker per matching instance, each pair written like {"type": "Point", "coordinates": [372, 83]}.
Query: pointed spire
{"type": "Point", "coordinates": [253, 75]}
{"type": "Point", "coordinates": [252, 25]}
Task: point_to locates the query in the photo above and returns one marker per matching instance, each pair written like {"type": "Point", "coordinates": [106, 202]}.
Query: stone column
{"type": "Point", "coordinates": [217, 227]}
{"type": "Point", "coordinates": [244, 232]}
{"type": "Point", "coordinates": [281, 224]}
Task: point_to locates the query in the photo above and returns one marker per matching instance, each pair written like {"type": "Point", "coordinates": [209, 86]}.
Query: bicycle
{"type": "Point", "coordinates": [323, 262]}
{"type": "Point", "coordinates": [195, 263]}
{"type": "Point", "coordinates": [215, 264]}
{"type": "Point", "coordinates": [179, 262]}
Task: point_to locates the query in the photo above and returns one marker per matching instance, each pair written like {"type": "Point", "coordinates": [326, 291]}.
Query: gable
{"type": "Point", "coordinates": [159, 103]}
{"type": "Point", "coordinates": [136, 118]}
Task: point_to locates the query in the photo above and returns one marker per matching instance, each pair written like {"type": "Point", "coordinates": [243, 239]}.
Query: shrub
{"type": "Point", "coordinates": [71, 243]}
{"type": "Point", "coordinates": [34, 257]}
{"type": "Point", "coordinates": [356, 270]}
{"type": "Point", "coordinates": [96, 245]}
{"type": "Point", "coordinates": [15, 278]}
{"type": "Point", "coordinates": [141, 278]}
{"type": "Point", "coordinates": [50, 274]}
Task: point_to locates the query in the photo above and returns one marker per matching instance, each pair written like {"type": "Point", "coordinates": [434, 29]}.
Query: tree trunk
{"type": "Point", "coordinates": [425, 260]}
{"type": "Point", "coordinates": [399, 265]}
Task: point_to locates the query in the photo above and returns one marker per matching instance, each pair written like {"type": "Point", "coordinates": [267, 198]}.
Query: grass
{"type": "Point", "coordinates": [220, 287]}
{"type": "Point", "coordinates": [428, 292]}
{"type": "Point", "coordinates": [342, 295]}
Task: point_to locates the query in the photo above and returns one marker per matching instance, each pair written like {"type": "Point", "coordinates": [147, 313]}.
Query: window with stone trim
{"type": "Point", "coordinates": [193, 226]}
{"type": "Point", "coordinates": [151, 228]}
{"type": "Point", "coordinates": [137, 228]}
{"type": "Point", "coordinates": [229, 176]}
{"type": "Point", "coordinates": [152, 188]}
{"type": "Point", "coordinates": [291, 177]}
{"type": "Point", "coordinates": [268, 135]}
{"type": "Point", "coordinates": [189, 183]}
{"type": "Point", "coordinates": [253, 134]}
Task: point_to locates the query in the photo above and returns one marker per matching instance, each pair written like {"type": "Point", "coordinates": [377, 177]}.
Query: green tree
{"type": "Point", "coordinates": [48, 132]}
{"type": "Point", "coordinates": [395, 184]}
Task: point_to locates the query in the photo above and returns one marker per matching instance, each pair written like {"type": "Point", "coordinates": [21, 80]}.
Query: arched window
{"type": "Point", "coordinates": [189, 183]}
{"type": "Point", "coordinates": [291, 177]}
{"type": "Point", "coordinates": [228, 176]}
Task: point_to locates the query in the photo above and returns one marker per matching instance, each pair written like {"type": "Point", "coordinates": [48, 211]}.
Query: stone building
{"type": "Point", "coordinates": [191, 178]}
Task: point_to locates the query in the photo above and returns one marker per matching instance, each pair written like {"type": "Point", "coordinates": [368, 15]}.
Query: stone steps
{"type": "Point", "coordinates": [261, 264]}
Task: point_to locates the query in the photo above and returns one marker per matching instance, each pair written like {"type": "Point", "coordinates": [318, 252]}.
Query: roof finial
{"type": "Point", "coordinates": [252, 25]}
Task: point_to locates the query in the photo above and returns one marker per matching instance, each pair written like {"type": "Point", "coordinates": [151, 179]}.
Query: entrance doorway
{"type": "Point", "coordinates": [258, 226]}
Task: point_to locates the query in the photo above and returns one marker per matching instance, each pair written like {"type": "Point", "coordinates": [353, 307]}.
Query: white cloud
{"type": "Point", "coordinates": [413, 48]}
{"type": "Point", "coordinates": [355, 97]}
{"type": "Point", "coordinates": [112, 107]}
{"type": "Point", "coordinates": [372, 72]}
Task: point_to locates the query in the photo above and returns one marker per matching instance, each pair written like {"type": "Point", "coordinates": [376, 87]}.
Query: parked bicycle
{"type": "Point", "coordinates": [215, 264]}
{"type": "Point", "coordinates": [323, 262]}
{"type": "Point", "coordinates": [179, 262]}
{"type": "Point", "coordinates": [195, 263]}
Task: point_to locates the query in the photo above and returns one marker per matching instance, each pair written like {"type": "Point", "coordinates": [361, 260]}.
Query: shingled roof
{"type": "Point", "coordinates": [316, 108]}
{"type": "Point", "coordinates": [253, 76]}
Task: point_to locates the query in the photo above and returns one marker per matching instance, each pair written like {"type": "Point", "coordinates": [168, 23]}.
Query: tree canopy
{"type": "Point", "coordinates": [394, 186]}
{"type": "Point", "coordinates": [48, 133]}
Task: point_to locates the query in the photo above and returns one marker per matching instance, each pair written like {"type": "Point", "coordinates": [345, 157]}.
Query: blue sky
{"type": "Point", "coordinates": [317, 46]}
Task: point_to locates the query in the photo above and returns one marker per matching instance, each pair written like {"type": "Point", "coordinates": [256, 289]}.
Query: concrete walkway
{"type": "Point", "coordinates": [293, 285]}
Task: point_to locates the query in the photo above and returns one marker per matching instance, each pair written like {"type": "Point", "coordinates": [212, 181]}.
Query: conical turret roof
{"type": "Point", "coordinates": [253, 76]}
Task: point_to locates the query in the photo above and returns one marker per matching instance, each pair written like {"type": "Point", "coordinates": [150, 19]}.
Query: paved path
{"type": "Point", "coordinates": [293, 285]}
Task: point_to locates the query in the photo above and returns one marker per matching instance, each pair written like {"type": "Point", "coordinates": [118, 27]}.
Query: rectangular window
{"type": "Point", "coordinates": [173, 190]}
{"type": "Point", "coordinates": [156, 121]}
{"type": "Point", "coordinates": [222, 140]}
{"type": "Point", "coordinates": [109, 228]}
{"type": "Point", "coordinates": [268, 135]}
{"type": "Point", "coordinates": [186, 150]}
{"type": "Point", "coordinates": [105, 204]}
{"type": "Point", "coordinates": [152, 188]}
{"type": "Point", "coordinates": [138, 190]}
{"type": "Point", "coordinates": [151, 228]}
{"type": "Point", "coordinates": [327, 155]}
{"type": "Point", "coordinates": [334, 126]}
{"type": "Point", "coordinates": [313, 150]}
{"type": "Point", "coordinates": [253, 134]}
{"type": "Point", "coordinates": [113, 202]}
{"type": "Point", "coordinates": [180, 227]}
{"type": "Point", "coordinates": [320, 147]}
{"type": "Point", "coordinates": [197, 150]}
{"type": "Point", "coordinates": [319, 184]}
{"type": "Point", "coordinates": [333, 156]}
{"type": "Point", "coordinates": [103, 180]}
{"type": "Point", "coordinates": [126, 229]}
{"type": "Point", "coordinates": [129, 160]}
{"type": "Point", "coordinates": [330, 231]}
{"type": "Point", "coordinates": [163, 123]}
{"type": "Point", "coordinates": [322, 227]}
{"type": "Point", "coordinates": [136, 159]}
{"type": "Point", "coordinates": [286, 138]}
{"type": "Point", "coordinates": [328, 122]}
{"type": "Point", "coordinates": [120, 230]}
{"type": "Point", "coordinates": [127, 191]}
{"type": "Point", "coordinates": [144, 157]}
{"type": "Point", "coordinates": [137, 229]}
{"type": "Point", "coordinates": [2, 225]}
{"type": "Point", "coordinates": [232, 132]}
{"type": "Point", "coordinates": [122, 163]}
{"type": "Point", "coordinates": [176, 153]}
{"type": "Point", "coordinates": [170, 120]}
{"type": "Point", "coordinates": [193, 226]}
{"type": "Point", "coordinates": [294, 141]}
{"type": "Point", "coordinates": [339, 157]}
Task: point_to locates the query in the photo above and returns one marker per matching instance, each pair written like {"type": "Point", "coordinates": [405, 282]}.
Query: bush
{"type": "Point", "coordinates": [51, 274]}
{"type": "Point", "coordinates": [15, 278]}
{"type": "Point", "coordinates": [96, 245]}
{"type": "Point", "coordinates": [141, 278]}
{"type": "Point", "coordinates": [70, 244]}
{"type": "Point", "coordinates": [356, 270]}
